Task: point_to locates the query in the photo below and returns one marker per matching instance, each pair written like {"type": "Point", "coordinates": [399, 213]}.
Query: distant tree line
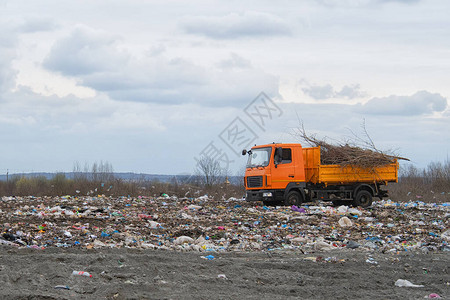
{"type": "Point", "coordinates": [99, 179]}
{"type": "Point", "coordinates": [430, 184]}
{"type": "Point", "coordinates": [102, 171]}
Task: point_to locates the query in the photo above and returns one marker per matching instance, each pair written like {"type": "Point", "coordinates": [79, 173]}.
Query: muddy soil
{"type": "Point", "coordinates": [155, 274]}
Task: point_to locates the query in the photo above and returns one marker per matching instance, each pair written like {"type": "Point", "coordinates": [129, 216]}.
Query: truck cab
{"type": "Point", "coordinates": [275, 173]}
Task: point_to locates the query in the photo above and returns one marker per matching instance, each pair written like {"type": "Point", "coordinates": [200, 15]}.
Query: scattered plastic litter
{"type": "Point", "coordinates": [182, 240]}
{"type": "Point", "coordinates": [345, 222]}
{"type": "Point", "coordinates": [145, 216]}
{"type": "Point", "coordinates": [406, 283]}
{"type": "Point", "coordinates": [194, 207]}
{"type": "Point", "coordinates": [298, 209]}
{"type": "Point", "coordinates": [62, 287]}
{"type": "Point", "coordinates": [322, 246]}
{"type": "Point", "coordinates": [433, 295]}
{"type": "Point", "coordinates": [81, 273]}
{"type": "Point", "coordinates": [203, 224]}
{"type": "Point", "coordinates": [446, 235]}
{"type": "Point", "coordinates": [372, 261]}
{"type": "Point", "coordinates": [342, 209]}
{"type": "Point", "coordinates": [208, 257]}
{"type": "Point", "coordinates": [354, 211]}
{"type": "Point", "coordinates": [332, 259]}
{"type": "Point", "coordinates": [353, 245]}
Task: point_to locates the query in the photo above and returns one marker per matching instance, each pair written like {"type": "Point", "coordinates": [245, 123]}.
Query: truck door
{"type": "Point", "coordinates": [283, 171]}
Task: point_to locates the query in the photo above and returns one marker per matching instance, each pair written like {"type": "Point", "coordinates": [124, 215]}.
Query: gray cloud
{"type": "Point", "coordinates": [361, 3]}
{"type": "Point", "coordinates": [235, 61]}
{"type": "Point", "coordinates": [157, 50]}
{"type": "Point", "coordinates": [150, 73]}
{"type": "Point", "coordinates": [98, 63]}
{"type": "Point", "coordinates": [233, 26]}
{"type": "Point", "coordinates": [37, 24]}
{"type": "Point", "coordinates": [11, 30]}
{"type": "Point", "coordinates": [7, 74]}
{"type": "Point", "coordinates": [85, 51]}
{"type": "Point", "coordinates": [8, 41]}
{"type": "Point", "coordinates": [421, 103]}
{"type": "Point", "coordinates": [398, 1]}
{"type": "Point", "coordinates": [351, 92]}
{"type": "Point", "coordinates": [225, 88]}
{"type": "Point", "coordinates": [322, 92]}
{"type": "Point", "coordinates": [319, 92]}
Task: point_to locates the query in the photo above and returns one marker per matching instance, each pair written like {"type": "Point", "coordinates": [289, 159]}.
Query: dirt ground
{"type": "Point", "coordinates": [156, 274]}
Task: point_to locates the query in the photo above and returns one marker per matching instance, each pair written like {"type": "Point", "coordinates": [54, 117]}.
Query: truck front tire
{"type": "Point", "coordinates": [363, 198]}
{"type": "Point", "coordinates": [293, 198]}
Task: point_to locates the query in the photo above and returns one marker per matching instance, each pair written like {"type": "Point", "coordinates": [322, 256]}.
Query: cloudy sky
{"type": "Point", "coordinates": [149, 86]}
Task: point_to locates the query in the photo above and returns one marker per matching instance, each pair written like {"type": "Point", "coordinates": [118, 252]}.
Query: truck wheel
{"type": "Point", "coordinates": [363, 199]}
{"type": "Point", "coordinates": [293, 198]}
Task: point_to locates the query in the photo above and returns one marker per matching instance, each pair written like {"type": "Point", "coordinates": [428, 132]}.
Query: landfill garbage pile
{"type": "Point", "coordinates": [207, 225]}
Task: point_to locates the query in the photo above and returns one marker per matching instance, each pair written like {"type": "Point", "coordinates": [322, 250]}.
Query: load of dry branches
{"type": "Point", "coordinates": [355, 151]}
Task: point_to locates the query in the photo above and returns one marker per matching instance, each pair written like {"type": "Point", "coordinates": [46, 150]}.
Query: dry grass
{"type": "Point", "coordinates": [59, 185]}
{"type": "Point", "coordinates": [431, 184]}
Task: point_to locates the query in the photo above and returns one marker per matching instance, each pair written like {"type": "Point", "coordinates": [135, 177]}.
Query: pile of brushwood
{"type": "Point", "coordinates": [355, 151]}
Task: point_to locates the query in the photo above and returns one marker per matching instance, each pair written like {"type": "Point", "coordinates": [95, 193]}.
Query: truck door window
{"type": "Point", "coordinates": [287, 155]}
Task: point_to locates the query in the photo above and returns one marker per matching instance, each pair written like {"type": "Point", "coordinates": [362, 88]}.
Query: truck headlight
{"type": "Point", "coordinates": [268, 194]}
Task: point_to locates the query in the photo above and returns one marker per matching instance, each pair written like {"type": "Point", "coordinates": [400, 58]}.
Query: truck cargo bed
{"type": "Point", "coordinates": [317, 173]}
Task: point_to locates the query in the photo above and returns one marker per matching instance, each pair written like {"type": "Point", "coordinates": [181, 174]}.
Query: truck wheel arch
{"type": "Point", "coordinates": [363, 187]}
{"type": "Point", "coordinates": [296, 186]}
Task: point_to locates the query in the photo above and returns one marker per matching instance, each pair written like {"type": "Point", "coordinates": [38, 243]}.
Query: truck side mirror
{"type": "Point", "coordinates": [244, 152]}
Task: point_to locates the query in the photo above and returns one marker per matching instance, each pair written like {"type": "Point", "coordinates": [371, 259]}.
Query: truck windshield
{"type": "Point", "coordinates": [259, 158]}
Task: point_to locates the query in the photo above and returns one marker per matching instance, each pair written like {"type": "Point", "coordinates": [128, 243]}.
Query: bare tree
{"type": "Point", "coordinates": [78, 173]}
{"type": "Point", "coordinates": [102, 171]}
{"type": "Point", "coordinates": [210, 170]}
{"type": "Point", "coordinates": [105, 170]}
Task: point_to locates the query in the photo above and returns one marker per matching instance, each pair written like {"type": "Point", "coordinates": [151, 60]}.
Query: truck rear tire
{"type": "Point", "coordinates": [293, 198]}
{"type": "Point", "coordinates": [363, 199]}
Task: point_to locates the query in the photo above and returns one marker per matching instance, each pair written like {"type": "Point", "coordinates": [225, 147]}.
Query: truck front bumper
{"type": "Point", "coordinates": [264, 195]}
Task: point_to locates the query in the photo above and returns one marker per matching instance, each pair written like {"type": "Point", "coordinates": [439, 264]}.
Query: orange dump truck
{"type": "Point", "coordinates": [291, 174]}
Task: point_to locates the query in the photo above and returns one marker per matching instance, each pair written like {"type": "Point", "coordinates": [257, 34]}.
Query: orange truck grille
{"type": "Point", "coordinates": [254, 181]}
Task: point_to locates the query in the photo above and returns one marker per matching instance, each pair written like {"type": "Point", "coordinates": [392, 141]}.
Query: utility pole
{"type": "Point", "coordinates": [7, 171]}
